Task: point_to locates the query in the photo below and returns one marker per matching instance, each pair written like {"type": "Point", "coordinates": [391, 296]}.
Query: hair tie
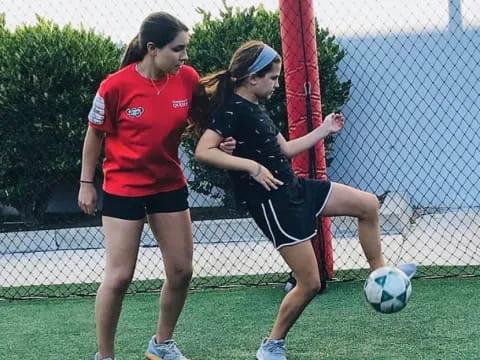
{"type": "Point", "coordinates": [229, 74]}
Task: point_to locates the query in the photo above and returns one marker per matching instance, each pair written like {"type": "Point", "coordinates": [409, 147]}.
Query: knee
{"type": "Point", "coordinates": [315, 288]}
{"type": "Point", "coordinates": [371, 207]}
{"type": "Point", "coordinates": [118, 281]}
{"type": "Point", "coordinates": [179, 276]}
{"type": "Point", "coordinates": [310, 288]}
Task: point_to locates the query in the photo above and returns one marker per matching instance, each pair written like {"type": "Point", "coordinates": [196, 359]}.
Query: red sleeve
{"type": "Point", "coordinates": [196, 78]}
{"type": "Point", "coordinates": [103, 114]}
{"type": "Point", "coordinates": [192, 76]}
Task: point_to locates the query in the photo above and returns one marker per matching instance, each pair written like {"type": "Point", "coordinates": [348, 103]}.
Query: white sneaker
{"type": "Point", "coordinates": [271, 350]}
{"type": "Point", "coordinates": [97, 358]}
{"type": "Point", "coordinates": [166, 350]}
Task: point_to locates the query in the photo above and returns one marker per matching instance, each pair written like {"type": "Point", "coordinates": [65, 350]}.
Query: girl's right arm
{"type": "Point", "coordinates": [87, 196]}
{"type": "Point", "coordinates": [331, 124]}
{"type": "Point", "coordinates": [207, 151]}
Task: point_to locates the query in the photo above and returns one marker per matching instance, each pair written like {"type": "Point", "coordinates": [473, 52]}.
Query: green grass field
{"type": "Point", "coordinates": [441, 322]}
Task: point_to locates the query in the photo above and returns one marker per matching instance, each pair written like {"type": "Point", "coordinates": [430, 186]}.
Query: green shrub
{"type": "Point", "coordinates": [213, 42]}
{"type": "Point", "coordinates": [48, 78]}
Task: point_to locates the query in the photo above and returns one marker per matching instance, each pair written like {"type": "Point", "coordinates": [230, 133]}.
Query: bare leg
{"type": "Point", "coordinates": [347, 201]}
{"type": "Point", "coordinates": [173, 232]}
{"type": "Point", "coordinates": [343, 201]}
{"type": "Point", "coordinates": [301, 259]}
{"type": "Point", "coordinates": [122, 239]}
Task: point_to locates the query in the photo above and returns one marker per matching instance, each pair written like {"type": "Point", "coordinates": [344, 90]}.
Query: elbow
{"type": "Point", "coordinates": [205, 154]}
{"type": "Point", "coordinates": [95, 134]}
{"type": "Point", "coordinates": [199, 156]}
{"type": "Point", "coordinates": [288, 153]}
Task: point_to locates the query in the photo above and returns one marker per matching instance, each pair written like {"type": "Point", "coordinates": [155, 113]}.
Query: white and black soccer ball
{"type": "Point", "coordinates": [388, 289]}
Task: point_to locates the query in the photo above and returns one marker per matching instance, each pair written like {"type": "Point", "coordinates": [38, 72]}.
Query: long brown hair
{"type": "Point", "coordinates": [215, 88]}
{"type": "Point", "coordinates": [159, 28]}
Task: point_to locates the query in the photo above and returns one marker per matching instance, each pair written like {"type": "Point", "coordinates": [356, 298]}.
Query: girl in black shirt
{"type": "Point", "coordinates": [283, 205]}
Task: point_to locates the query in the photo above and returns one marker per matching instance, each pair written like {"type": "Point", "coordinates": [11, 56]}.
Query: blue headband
{"type": "Point", "coordinates": [266, 56]}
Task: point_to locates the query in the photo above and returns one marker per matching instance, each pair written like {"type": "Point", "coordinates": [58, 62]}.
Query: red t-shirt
{"type": "Point", "coordinates": [143, 129]}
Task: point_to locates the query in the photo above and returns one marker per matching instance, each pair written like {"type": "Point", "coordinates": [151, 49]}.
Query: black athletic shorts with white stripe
{"type": "Point", "coordinates": [289, 215]}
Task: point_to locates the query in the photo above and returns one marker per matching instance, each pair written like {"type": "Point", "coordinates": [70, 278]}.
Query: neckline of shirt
{"type": "Point", "coordinates": [160, 81]}
{"type": "Point", "coordinates": [246, 100]}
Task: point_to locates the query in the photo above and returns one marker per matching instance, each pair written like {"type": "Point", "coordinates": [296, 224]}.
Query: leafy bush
{"type": "Point", "coordinates": [48, 77]}
{"type": "Point", "coordinates": [213, 42]}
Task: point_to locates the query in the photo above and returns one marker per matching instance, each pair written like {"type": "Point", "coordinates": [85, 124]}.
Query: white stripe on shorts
{"type": "Point", "coordinates": [296, 240]}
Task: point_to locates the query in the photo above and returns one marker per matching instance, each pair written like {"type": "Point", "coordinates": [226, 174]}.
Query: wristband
{"type": "Point", "coordinates": [258, 171]}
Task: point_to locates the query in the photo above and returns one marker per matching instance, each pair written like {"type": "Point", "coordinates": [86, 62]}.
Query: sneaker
{"type": "Point", "coordinates": [408, 269]}
{"type": "Point", "coordinates": [272, 350]}
{"type": "Point", "coordinates": [167, 350]}
{"type": "Point", "coordinates": [96, 357]}
{"type": "Point", "coordinates": [290, 284]}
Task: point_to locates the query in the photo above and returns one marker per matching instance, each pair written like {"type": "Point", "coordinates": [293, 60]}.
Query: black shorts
{"type": "Point", "coordinates": [289, 215]}
{"type": "Point", "coordinates": [135, 208]}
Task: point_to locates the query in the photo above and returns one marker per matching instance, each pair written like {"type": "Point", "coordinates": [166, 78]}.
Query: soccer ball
{"type": "Point", "coordinates": [387, 289]}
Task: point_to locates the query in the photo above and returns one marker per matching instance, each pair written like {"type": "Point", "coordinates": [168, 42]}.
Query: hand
{"type": "Point", "coordinates": [265, 178]}
{"type": "Point", "coordinates": [228, 145]}
{"type": "Point", "coordinates": [333, 123]}
{"type": "Point", "coordinates": [87, 198]}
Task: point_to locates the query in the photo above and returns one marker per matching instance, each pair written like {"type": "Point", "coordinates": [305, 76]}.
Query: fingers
{"type": "Point", "coordinates": [228, 145]}
{"type": "Point", "coordinates": [89, 209]}
{"type": "Point", "coordinates": [226, 148]}
{"type": "Point", "coordinates": [229, 141]}
{"type": "Point", "coordinates": [337, 122]}
{"type": "Point", "coordinates": [88, 206]}
{"type": "Point", "coordinates": [267, 180]}
{"type": "Point", "coordinates": [272, 183]}
{"type": "Point", "coordinates": [87, 199]}
{"type": "Point", "coordinates": [339, 119]}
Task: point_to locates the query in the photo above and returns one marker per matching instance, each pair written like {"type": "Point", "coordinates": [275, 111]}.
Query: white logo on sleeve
{"type": "Point", "coordinates": [97, 112]}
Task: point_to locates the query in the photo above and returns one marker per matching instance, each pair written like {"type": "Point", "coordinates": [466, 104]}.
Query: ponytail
{"type": "Point", "coordinates": [133, 53]}
{"type": "Point", "coordinates": [253, 57]}
{"type": "Point", "coordinates": [210, 95]}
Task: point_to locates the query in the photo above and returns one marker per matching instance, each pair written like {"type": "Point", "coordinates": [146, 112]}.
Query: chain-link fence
{"type": "Point", "coordinates": [405, 75]}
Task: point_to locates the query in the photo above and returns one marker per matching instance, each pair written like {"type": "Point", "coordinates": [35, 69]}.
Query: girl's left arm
{"type": "Point", "coordinates": [331, 124]}
{"type": "Point", "coordinates": [208, 152]}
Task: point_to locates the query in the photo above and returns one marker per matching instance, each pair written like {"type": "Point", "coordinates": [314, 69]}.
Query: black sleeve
{"type": "Point", "coordinates": [225, 121]}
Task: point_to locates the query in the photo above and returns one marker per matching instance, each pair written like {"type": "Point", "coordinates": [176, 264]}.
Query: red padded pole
{"type": "Point", "coordinates": [304, 108]}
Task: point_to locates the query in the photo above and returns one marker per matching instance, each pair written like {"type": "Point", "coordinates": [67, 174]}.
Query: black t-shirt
{"type": "Point", "coordinates": [256, 137]}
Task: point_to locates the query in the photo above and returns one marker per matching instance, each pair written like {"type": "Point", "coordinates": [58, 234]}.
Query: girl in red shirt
{"type": "Point", "coordinates": [140, 113]}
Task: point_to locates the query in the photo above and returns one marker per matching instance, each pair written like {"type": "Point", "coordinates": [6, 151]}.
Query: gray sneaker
{"type": "Point", "coordinates": [96, 357]}
{"type": "Point", "coordinates": [167, 350]}
{"type": "Point", "coordinates": [272, 350]}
